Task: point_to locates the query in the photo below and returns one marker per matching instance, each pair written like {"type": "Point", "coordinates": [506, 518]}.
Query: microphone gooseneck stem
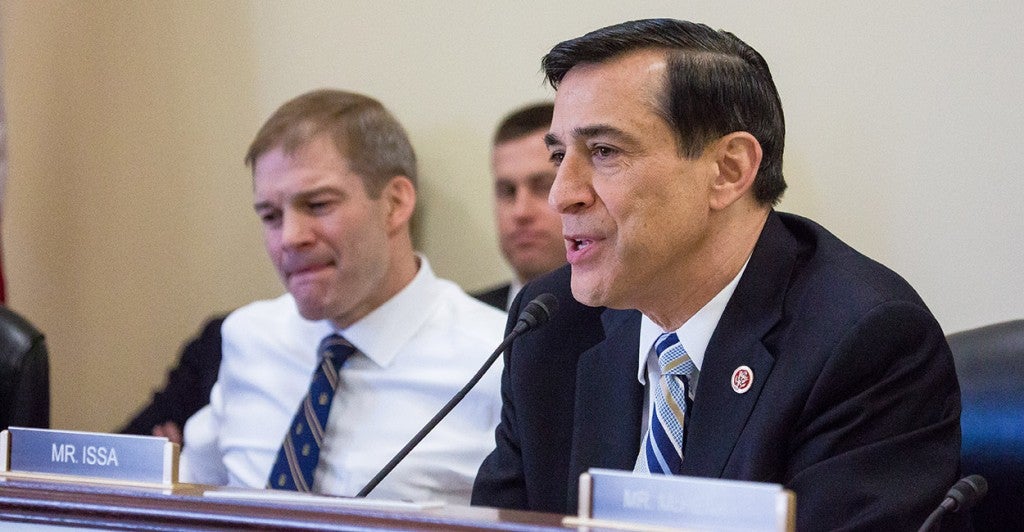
{"type": "Point", "coordinates": [455, 400]}
{"type": "Point", "coordinates": [933, 519]}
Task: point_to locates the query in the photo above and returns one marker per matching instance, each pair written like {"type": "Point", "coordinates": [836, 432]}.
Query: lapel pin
{"type": "Point", "coordinates": [742, 378]}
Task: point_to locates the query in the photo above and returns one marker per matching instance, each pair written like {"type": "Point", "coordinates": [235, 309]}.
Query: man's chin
{"type": "Point", "coordinates": [585, 291]}
{"type": "Point", "coordinates": [311, 310]}
{"type": "Point", "coordinates": [312, 315]}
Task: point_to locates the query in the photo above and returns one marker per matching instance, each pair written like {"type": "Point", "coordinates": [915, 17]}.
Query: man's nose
{"type": "Point", "coordinates": [295, 229]}
{"type": "Point", "coordinates": [525, 203]}
{"type": "Point", "coordinates": [571, 190]}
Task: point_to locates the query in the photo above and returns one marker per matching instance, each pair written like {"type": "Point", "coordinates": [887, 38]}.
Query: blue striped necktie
{"type": "Point", "coordinates": [300, 451]}
{"type": "Point", "coordinates": [666, 436]}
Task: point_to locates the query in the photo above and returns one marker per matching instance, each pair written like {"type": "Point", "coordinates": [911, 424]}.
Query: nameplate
{"type": "Point", "coordinates": [623, 499]}
{"type": "Point", "coordinates": [93, 456]}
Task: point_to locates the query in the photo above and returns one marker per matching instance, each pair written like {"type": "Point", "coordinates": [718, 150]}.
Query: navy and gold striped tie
{"type": "Point", "coordinates": [666, 436]}
{"type": "Point", "coordinates": [300, 451]}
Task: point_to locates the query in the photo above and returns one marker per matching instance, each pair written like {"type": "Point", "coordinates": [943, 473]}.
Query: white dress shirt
{"type": "Point", "coordinates": [694, 335]}
{"type": "Point", "coordinates": [513, 290]}
{"type": "Point", "coordinates": [414, 353]}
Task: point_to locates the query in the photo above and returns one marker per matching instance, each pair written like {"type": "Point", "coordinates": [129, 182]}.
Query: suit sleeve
{"type": "Point", "coordinates": [877, 445]}
{"type": "Point", "coordinates": [500, 481]}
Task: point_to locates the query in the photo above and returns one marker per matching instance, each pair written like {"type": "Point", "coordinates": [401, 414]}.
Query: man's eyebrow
{"type": "Point", "coordinates": [301, 196]}
{"type": "Point", "coordinates": [601, 130]}
{"type": "Point", "coordinates": [586, 132]}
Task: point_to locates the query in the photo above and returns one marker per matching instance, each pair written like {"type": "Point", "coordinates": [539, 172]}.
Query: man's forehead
{"type": "Point", "coordinates": [607, 99]}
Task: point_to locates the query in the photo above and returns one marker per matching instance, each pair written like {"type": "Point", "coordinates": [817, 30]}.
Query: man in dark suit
{"type": "Point", "coordinates": [793, 358]}
{"type": "Point", "coordinates": [529, 231]}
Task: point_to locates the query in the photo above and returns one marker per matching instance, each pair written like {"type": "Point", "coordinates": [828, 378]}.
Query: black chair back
{"type": "Point", "coordinates": [24, 373]}
{"type": "Point", "coordinates": [990, 366]}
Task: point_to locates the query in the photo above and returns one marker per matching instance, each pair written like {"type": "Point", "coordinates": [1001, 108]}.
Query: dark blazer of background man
{"type": "Point", "coordinates": [529, 230]}
{"type": "Point", "coordinates": [668, 138]}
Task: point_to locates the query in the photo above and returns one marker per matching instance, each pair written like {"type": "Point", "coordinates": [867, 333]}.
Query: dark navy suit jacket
{"type": "Point", "coordinates": [854, 403]}
{"type": "Point", "coordinates": [496, 297]}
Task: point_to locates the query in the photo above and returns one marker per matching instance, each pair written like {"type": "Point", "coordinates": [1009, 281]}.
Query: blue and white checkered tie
{"type": "Point", "coordinates": [666, 436]}
{"type": "Point", "coordinates": [300, 451]}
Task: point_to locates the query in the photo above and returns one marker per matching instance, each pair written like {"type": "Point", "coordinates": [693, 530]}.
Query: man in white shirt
{"type": "Point", "coordinates": [529, 230]}
{"type": "Point", "coordinates": [334, 185]}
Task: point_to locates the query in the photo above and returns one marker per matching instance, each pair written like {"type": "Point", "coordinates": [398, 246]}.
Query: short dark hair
{"type": "Point", "coordinates": [523, 121]}
{"type": "Point", "coordinates": [363, 131]}
{"type": "Point", "coordinates": [716, 85]}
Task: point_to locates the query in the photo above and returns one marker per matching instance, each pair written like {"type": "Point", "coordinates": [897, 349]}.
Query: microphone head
{"type": "Point", "coordinates": [968, 491]}
{"type": "Point", "coordinates": [537, 312]}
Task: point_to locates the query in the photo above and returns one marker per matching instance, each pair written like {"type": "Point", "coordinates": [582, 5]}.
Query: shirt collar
{"type": "Point", "coordinates": [513, 290]}
{"type": "Point", "coordinates": [381, 334]}
{"type": "Point", "coordinates": [694, 334]}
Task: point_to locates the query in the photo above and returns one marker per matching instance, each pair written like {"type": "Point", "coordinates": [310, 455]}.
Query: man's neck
{"type": "Point", "coordinates": [725, 253]}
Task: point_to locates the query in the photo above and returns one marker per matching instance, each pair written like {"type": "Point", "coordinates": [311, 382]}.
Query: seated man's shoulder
{"type": "Point", "coordinates": [276, 312]}
{"type": "Point", "coordinates": [496, 296]}
{"type": "Point", "coordinates": [829, 269]}
{"type": "Point", "coordinates": [837, 289]}
{"type": "Point", "coordinates": [272, 325]}
{"type": "Point", "coordinates": [465, 315]}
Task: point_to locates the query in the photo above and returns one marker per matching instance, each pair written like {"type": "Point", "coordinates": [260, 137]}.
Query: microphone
{"type": "Point", "coordinates": [962, 496]}
{"type": "Point", "coordinates": [536, 313]}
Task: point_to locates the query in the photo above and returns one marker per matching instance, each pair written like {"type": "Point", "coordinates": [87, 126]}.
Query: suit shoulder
{"type": "Point", "coordinates": [836, 290]}
{"type": "Point", "coordinates": [830, 267]}
{"type": "Point", "coordinates": [496, 297]}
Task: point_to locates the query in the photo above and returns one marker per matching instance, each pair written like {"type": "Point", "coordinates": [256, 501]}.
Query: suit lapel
{"type": "Point", "coordinates": [609, 399]}
{"type": "Point", "coordinates": [720, 413]}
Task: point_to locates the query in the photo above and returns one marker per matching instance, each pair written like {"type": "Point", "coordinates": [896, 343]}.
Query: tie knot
{"type": "Point", "coordinates": [336, 349]}
{"type": "Point", "coordinates": [672, 356]}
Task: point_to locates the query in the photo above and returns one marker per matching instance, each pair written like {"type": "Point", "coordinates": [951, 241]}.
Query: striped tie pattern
{"type": "Point", "coordinates": [300, 451]}
{"type": "Point", "coordinates": [666, 437]}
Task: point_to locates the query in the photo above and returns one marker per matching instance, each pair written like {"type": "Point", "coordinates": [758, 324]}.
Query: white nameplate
{"type": "Point", "coordinates": [92, 456]}
{"type": "Point", "coordinates": [622, 499]}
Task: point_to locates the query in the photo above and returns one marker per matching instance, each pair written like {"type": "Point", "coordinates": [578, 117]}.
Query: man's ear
{"type": "Point", "coordinates": [737, 156]}
{"type": "Point", "coordinates": [400, 194]}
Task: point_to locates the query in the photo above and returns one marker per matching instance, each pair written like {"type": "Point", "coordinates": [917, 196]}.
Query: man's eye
{"type": "Point", "coordinates": [505, 191]}
{"type": "Point", "coordinates": [541, 187]}
{"type": "Point", "coordinates": [318, 207]}
{"type": "Point", "coordinates": [603, 151]}
{"type": "Point", "coordinates": [556, 157]}
{"type": "Point", "coordinates": [270, 218]}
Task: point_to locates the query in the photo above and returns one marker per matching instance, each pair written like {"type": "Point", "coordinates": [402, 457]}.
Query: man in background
{"type": "Point", "coordinates": [319, 388]}
{"type": "Point", "coordinates": [529, 230]}
{"type": "Point", "coordinates": [700, 332]}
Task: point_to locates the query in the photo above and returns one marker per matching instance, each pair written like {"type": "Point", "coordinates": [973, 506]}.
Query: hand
{"type": "Point", "coordinates": [169, 430]}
